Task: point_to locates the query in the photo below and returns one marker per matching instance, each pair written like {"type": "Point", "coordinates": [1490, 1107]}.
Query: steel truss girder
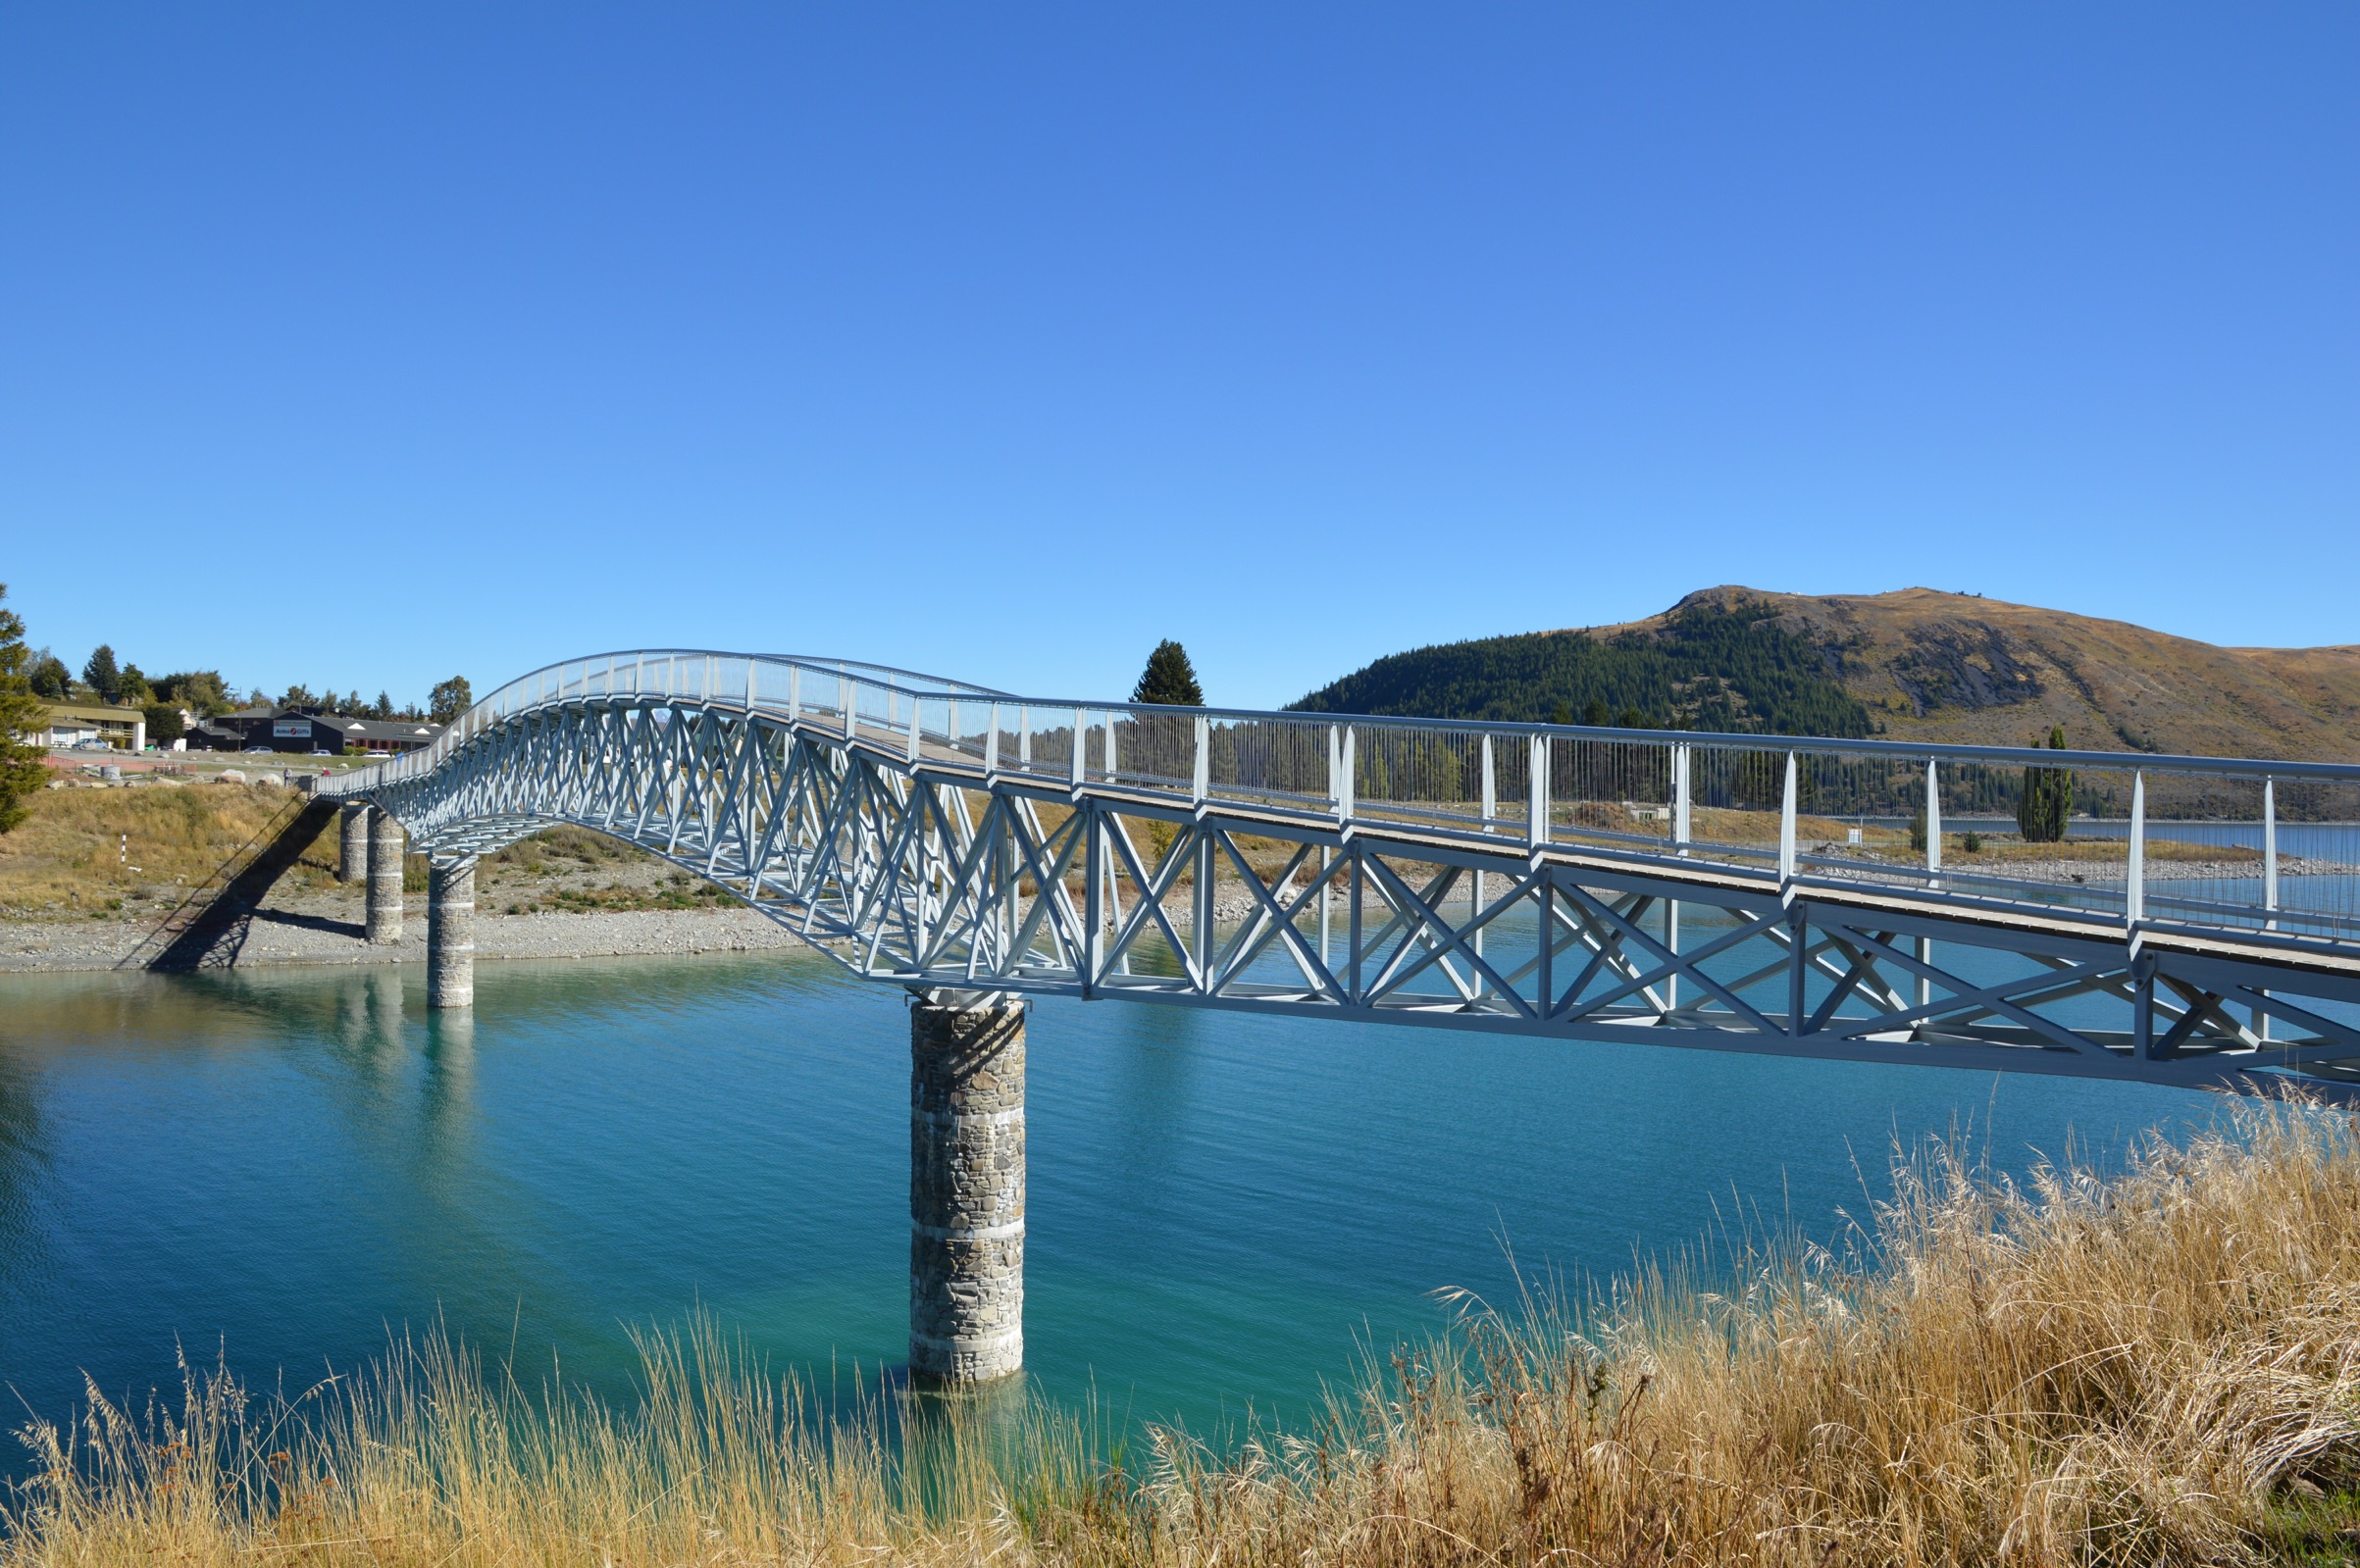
{"type": "Point", "coordinates": [939, 874]}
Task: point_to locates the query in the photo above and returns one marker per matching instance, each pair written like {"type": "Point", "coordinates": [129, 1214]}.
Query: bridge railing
{"type": "Point", "coordinates": [2252, 846]}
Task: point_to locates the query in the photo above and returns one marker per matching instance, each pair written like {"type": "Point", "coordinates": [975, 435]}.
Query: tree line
{"type": "Point", "coordinates": [1706, 668]}
{"type": "Point", "coordinates": [207, 696]}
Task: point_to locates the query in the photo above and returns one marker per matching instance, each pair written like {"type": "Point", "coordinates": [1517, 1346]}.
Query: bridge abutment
{"type": "Point", "coordinates": [385, 846]}
{"type": "Point", "coordinates": [450, 933]}
{"type": "Point", "coordinates": [966, 1191]}
{"type": "Point", "coordinates": [352, 847]}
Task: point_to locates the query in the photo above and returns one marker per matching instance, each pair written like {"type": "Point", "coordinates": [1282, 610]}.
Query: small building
{"type": "Point", "coordinates": [387, 737]}
{"type": "Point", "coordinates": [304, 731]}
{"type": "Point", "coordinates": [75, 724]}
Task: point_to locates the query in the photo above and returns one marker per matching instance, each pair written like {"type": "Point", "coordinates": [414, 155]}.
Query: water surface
{"type": "Point", "coordinates": [288, 1164]}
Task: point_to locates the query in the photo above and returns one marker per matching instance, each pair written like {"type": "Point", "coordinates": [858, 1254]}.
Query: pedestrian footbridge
{"type": "Point", "coordinates": [2198, 923]}
{"type": "Point", "coordinates": [2183, 921]}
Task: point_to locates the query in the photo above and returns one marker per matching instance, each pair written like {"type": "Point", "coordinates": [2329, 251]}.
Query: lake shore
{"type": "Point", "coordinates": [292, 936]}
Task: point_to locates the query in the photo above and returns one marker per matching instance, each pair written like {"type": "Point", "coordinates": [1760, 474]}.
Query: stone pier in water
{"type": "Point", "coordinates": [385, 846]}
{"type": "Point", "coordinates": [966, 1191]}
{"type": "Point", "coordinates": [450, 933]}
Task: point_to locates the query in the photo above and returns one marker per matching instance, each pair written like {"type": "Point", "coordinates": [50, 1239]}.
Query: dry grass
{"type": "Point", "coordinates": [94, 851]}
{"type": "Point", "coordinates": [2164, 1369]}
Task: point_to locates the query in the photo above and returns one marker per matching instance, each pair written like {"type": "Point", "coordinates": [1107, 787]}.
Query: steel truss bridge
{"type": "Point", "coordinates": [1732, 892]}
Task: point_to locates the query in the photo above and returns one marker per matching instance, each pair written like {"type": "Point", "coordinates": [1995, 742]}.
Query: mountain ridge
{"type": "Point", "coordinates": [1921, 664]}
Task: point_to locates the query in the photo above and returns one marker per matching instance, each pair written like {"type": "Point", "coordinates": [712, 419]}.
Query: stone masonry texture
{"type": "Point", "coordinates": [384, 876]}
{"type": "Point", "coordinates": [450, 935]}
{"type": "Point", "coordinates": [353, 850]}
{"type": "Point", "coordinates": [966, 1191]}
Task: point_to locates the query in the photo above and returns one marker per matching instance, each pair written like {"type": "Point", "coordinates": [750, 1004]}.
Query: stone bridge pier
{"type": "Point", "coordinates": [966, 1191]}
{"type": "Point", "coordinates": [450, 933]}
{"type": "Point", "coordinates": [386, 845]}
{"type": "Point", "coordinates": [352, 845]}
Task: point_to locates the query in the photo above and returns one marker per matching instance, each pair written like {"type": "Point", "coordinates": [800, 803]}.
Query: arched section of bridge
{"type": "Point", "coordinates": [1795, 896]}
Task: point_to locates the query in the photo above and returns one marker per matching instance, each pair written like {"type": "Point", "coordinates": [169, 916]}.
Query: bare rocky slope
{"type": "Point", "coordinates": [1950, 667]}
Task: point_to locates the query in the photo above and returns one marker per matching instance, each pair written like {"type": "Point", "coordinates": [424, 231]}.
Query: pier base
{"type": "Point", "coordinates": [385, 846]}
{"type": "Point", "coordinates": [450, 933]}
{"type": "Point", "coordinates": [352, 847]}
{"type": "Point", "coordinates": [966, 1191]}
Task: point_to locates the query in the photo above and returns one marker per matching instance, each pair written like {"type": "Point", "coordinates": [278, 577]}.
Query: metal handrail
{"type": "Point", "coordinates": [1317, 771]}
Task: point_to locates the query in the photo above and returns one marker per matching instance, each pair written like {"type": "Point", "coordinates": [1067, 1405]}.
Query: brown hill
{"type": "Point", "coordinates": [1949, 667]}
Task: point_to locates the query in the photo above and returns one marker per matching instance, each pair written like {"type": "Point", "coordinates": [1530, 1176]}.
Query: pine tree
{"type": "Point", "coordinates": [1169, 679]}
{"type": "Point", "coordinates": [101, 676]}
{"type": "Point", "coordinates": [2047, 805]}
{"type": "Point", "coordinates": [22, 714]}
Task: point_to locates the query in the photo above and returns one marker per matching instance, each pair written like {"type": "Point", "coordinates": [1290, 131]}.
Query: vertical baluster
{"type": "Point", "coordinates": [1786, 825]}
{"type": "Point", "coordinates": [2269, 878]}
{"type": "Point", "coordinates": [1349, 778]}
{"type": "Point", "coordinates": [1536, 804]}
{"type": "Point", "coordinates": [1933, 872]}
{"type": "Point", "coordinates": [2135, 899]}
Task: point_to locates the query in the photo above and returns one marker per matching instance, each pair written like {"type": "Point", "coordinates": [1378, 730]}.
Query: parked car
{"type": "Point", "coordinates": [321, 751]}
{"type": "Point", "coordinates": [258, 752]}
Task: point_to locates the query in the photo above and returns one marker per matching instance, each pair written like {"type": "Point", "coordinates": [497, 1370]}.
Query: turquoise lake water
{"type": "Point", "coordinates": [281, 1166]}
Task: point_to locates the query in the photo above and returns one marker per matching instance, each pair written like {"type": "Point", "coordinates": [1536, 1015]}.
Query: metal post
{"type": "Point", "coordinates": [1491, 802]}
{"type": "Point", "coordinates": [844, 690]}
{"type": "Point", "coordinates": [1110, 748]}
{"type": "Point", "coordinates": [2269, 878]}
{"type": "Point", "coordinates": [966, 1191]}
{"type": "Point", "coordinates": [795, 693]}
{"type": "Point", "coordinates": [1335, 795]}
{"type": "Point", "coordinates": [2270, 848]}
{"type": "Point", "coordinates": [1348, 780]}
{"type": "Point", "coordinates": [2135, 899]}
{"type": "Point", "coordinates": [992, 744]}
{"type": "Point", "coordinates": [1080, 764]}
{"type": "Point", "coordinates": [1786, 826]}
{"type": "Point", "coordinates": [1683, 801]}
{"type": "Point", "coordinates": [913, 725]}
{"type": "Point", "coordinates": [1024, 737]}
{"type": "Point", "coordinates": [1536, 804]}
{"type": "Point", "coordinates": [1933, 873]}
{"type": "Point", "coordinates": [1680, 822]}
{"type": "Point", "coordinates": [1202, 789]}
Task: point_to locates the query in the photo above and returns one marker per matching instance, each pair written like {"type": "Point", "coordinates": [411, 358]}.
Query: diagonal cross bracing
{"type": "Point", "coordinates": [935, 860]}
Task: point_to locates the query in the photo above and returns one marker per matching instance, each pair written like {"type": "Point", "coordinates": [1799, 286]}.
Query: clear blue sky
{"type": "Point", "coordinates": [365, 343]}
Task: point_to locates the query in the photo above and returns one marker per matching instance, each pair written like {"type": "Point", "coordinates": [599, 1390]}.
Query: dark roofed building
{"type": "Point", "coordinates": [303, 730]}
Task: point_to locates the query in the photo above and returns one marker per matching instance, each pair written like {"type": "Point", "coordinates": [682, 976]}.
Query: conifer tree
{"type": "Point", "coordinates": [22, 717]}
{"type": "Point", "coordinates": [2047, 805]}
{"type": "Point", "coordinates": [101, 674]}
{"type": "Point", "coordinates": [1169, 679]}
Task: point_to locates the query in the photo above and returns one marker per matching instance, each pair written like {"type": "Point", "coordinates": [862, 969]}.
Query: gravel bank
{"type": "Point", "coordinates": [280, 937]}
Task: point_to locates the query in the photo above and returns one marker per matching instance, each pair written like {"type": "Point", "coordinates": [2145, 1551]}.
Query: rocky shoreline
{"type": "Point", "coordinates": [279, 936]}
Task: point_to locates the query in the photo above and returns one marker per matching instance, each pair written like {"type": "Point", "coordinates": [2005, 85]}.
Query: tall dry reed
{"type": "Point", "coordinates": [2163, 1368]}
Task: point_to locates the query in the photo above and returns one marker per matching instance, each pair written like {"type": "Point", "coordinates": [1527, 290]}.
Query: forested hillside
{"type": "Point", "coordinates": [1702, 667]}
{"type": "Point", "coordinates": [1915, 663]}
